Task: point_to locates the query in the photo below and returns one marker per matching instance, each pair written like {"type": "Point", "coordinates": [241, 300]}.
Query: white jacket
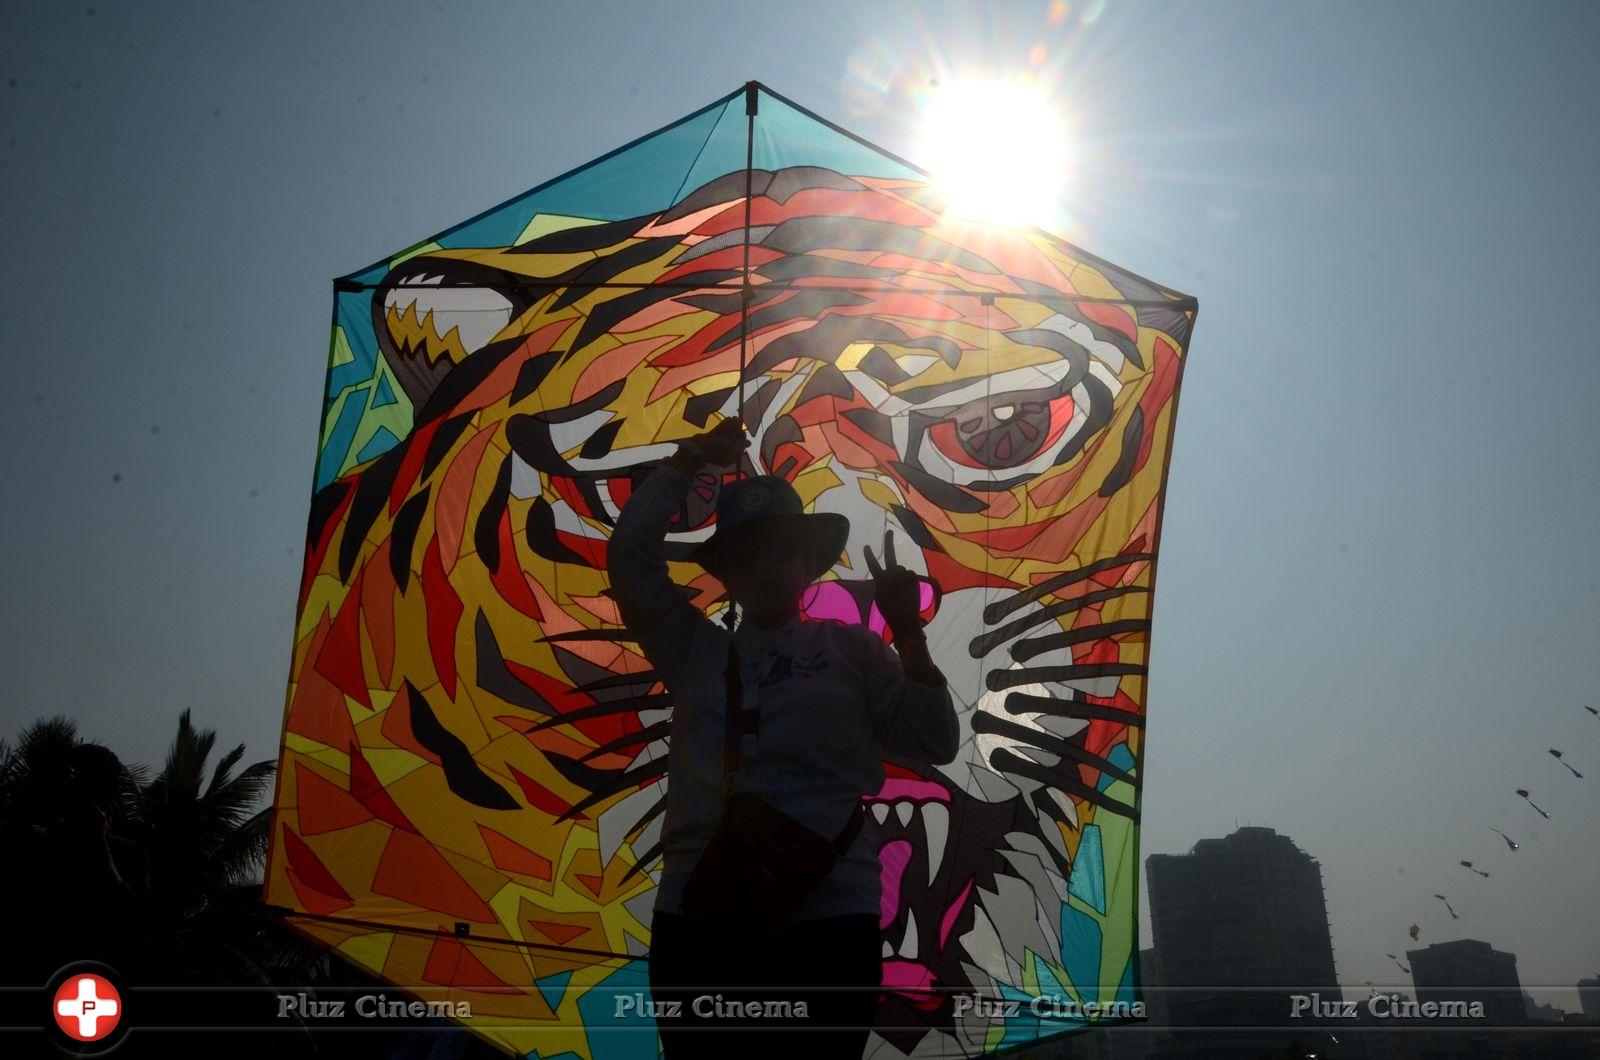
{"type": "Point", "coordinates": [831, 700]}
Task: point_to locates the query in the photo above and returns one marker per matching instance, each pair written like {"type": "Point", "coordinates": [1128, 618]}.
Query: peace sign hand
{"type": "Point", "coordinates": [898, 592]}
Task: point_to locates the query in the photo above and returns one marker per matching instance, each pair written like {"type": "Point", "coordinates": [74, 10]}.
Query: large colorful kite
{"type": "Point", "coordinates": [474, 753]}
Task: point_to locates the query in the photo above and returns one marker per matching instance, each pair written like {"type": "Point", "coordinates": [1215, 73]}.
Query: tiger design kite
{"type": "Point", "coordinates": [475, 753]}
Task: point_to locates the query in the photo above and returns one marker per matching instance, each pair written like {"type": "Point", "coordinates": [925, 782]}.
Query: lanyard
{"type": "Point", "coordinates": [733, 692]}
{"type": "Point", "coordinates": [753, 673]}
{"type": "Point", "coordinates": [737, 721]}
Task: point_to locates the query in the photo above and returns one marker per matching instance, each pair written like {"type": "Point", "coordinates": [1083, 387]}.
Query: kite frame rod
{"type": "Point", "coordinates": [750, 107]}
{"type": "Point", "coordinates": [285, 913]}
{"type": "Point", "coordinates": [1186, 304]}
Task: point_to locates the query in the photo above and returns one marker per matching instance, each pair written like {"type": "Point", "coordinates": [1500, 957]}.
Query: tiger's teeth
{"type": "Point", "coordinates": [476, 315]}
{"type": "Point", "coordinates": [400, 300]}
{"type": "Point", "coordinates": [880, 811]}
{"type": "Point", "coordinates": [935, 826]}
{"type": "Point", "coordinates": [888, 950]}
{"type": "Point", "coordinates": [908, 944]}
{"type": "Point", "coordinates": [902, 810]}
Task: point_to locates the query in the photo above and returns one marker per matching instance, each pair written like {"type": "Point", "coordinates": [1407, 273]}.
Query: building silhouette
{"type": "Point", "coordinates": [1589, 998]}
{"type": "Point", "coordinates": [1241, 926]}
{"type": "Point", "coordinates": [1539, 1012]}
{"type": "Point", "coordinates": [1471, 971]}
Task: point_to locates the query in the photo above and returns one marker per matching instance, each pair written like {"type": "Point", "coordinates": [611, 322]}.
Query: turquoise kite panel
{"type": "Point", "coordinates": [1080, 950]}
{"type": "Point", "coordinates": [1088, 879]}
{"type": "Point", "coordinates": [788, 136]}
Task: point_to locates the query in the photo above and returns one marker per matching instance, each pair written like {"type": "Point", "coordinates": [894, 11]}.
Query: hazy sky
{"type": "Point", "coordinates": [1379, 600]}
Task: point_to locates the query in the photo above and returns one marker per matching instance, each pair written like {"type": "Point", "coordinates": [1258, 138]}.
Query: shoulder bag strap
{"type": "Point", "coordinates": [852, 828]}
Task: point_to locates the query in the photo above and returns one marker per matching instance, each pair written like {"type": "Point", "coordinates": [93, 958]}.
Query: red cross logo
{"type": "Point", "coordinates": [87, 1007]}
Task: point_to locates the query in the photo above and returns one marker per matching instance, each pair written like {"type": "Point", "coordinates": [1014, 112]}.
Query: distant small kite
{"type": "Point", "coordinates": [1396, 960]}
{"type": "Point", "coordinates": [1558, 758]}
{"type": "Point", "coordinates": [1446, 901]}
{"type": "Point", "coordinates": [1480, 872]}
{"type": "Point", "coordinates": [1591, 710]}
{"type": "Point", "coordinates": [1512, 843]}
{"type": "Point", "coordinates": [1415, 931]}
{"type": "Point", "coordinates": [1524, 793]}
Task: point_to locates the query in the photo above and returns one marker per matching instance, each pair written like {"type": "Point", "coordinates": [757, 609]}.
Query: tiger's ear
{"type": "Point", "coordinates": [430, 314]}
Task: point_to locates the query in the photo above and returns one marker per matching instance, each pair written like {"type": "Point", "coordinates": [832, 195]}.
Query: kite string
{"type": "Point", "coordinates": [1505, 810]}
{"type": "Point", "coordinates": [1506, 800]}
{"type": "Point", "coordinates": [749, 192]}
{"type": "Point", "coordinates": [730, 617]}
{"type": "Point", "coordinates": [988, 556]}
{"type": "Point", "coordinates": [974, 759]}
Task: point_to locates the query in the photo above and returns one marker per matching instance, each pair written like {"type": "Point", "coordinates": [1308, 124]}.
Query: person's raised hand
{"type": "Point", "coordinates": [898, 591]}
{"type": "Point", "coordinates": [721, 446]}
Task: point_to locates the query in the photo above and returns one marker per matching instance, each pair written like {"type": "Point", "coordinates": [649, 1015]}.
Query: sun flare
{"type": "Point", "coordinates": [998, 149]}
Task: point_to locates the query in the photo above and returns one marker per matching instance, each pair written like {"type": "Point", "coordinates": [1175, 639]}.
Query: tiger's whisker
{"type": "Point", "coordinates": [656, 767]}
{"type": "Point", "coordinates": [1011, 762]}
{"type": "Point", "coordinates": [644, 735]}
{"type": "Point", "coordinates": [647, 677]}
{"type": "Point", "coordinates": [601, 709]}
{"type": "Point", "coordinates": [1001, 608]}
{"type": "Point", "coordinates": [1000, 680]}
{"type": "Point", "coordinates": [1025, 649]}
{"type": "Point", "coordinates": [618, 635]}
{"type": "Point", "coordinates": [1026, 703]}
{"type": "Point", "coordinates": [984, 643]}
{"type": "Point", "coordinates": [1048, 742]}
{"type": "Point", "coordinates": [644, 859]}
{"type": "Point", "coordinates": [649, 815]}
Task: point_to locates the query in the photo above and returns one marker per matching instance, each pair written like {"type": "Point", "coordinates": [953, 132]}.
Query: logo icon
{"type": "Point", "coordinates": [754, 497]}
{"type": "Point", "coordinates": [87, 1007]}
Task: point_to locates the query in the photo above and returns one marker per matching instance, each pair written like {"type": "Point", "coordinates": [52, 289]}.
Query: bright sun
{"type": "Point", "coordinates": [997, 149]}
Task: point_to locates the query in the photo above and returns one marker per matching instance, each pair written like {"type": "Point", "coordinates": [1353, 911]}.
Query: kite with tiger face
{"type": "Point", "coordinates": [996, 399]}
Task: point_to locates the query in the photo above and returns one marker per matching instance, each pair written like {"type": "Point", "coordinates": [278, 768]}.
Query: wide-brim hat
{"type": "Point", "coordinates": [747, 505]}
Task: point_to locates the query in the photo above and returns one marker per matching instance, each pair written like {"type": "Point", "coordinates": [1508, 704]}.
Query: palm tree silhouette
{"type": "Point", "coordinates": [204, 828]}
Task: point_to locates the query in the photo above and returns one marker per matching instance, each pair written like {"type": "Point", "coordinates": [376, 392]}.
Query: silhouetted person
{"type": "Point", "coordinates": [820, 703]}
